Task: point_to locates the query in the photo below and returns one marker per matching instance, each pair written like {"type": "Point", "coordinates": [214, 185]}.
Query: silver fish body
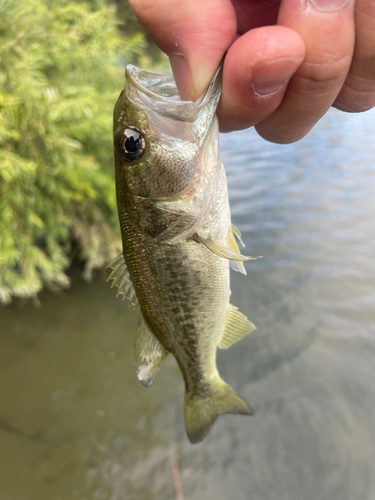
{"type": "Point", "coordinates": [177, 238]}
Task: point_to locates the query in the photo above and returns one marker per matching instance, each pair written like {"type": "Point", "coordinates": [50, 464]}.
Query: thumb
{"type": "Point", "coordinates": [195, 34]}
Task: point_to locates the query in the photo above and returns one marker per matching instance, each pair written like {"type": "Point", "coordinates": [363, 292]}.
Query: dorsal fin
{"type": "Point", "coordinates": [121, 279]}
{"type": "Point", "coordinates": [149, 354]}
{"type": "Point", "coordinates": [236, 327]}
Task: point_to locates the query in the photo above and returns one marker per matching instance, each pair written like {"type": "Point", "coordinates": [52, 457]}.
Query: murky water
{"type": "Point", "coordinates": [76, 424]}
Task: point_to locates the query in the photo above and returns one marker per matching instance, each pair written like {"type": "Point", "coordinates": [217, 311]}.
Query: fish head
{"type": "Point", "coordinates": [158, 138]}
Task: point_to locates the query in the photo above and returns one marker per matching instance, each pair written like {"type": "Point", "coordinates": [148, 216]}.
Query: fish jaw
{"type": "Point", "coordinates": [158, 93]}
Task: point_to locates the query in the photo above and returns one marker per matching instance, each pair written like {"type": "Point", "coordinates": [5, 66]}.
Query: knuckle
{"type": "Point", "coordinates": [279, 136]}
{"type": "Point", "coordinates": [353, 107]}
{"type": "Point", "coordinates": [357, 95]}
{"type": "Point", "coordinates": [327, 73]}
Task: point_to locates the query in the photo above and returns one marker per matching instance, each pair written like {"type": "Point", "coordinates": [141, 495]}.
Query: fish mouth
{"type": "Point", "coordinates": [158, 92]}
{"type": "Point", "coordinates": [156, 85]}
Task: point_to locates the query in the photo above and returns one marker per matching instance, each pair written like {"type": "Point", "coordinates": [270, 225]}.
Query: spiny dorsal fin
{"type": "Point", "coordinates": [222, 250]}
{"type": "Point", "coordinates": [149, 354]}
{"type": "Point", "coordinates": [236, 327]}
{"type": "Point", "coordinates": [121, 279]}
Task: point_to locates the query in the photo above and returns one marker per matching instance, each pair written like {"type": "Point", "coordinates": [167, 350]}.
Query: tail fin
{"type": "Point", "coordinates": [201, 412]}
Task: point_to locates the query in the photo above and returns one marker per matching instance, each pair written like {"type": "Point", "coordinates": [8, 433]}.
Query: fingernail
{"type": "Point", "coordinates": [329, 5]}
{"type": "Point", "coordinates": [182, 75]}
{"type": "Point", "coordinates": [268, 78]}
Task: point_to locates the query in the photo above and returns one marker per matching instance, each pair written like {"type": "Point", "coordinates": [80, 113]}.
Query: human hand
{"type": "Point", "coordinates": [287, 61]}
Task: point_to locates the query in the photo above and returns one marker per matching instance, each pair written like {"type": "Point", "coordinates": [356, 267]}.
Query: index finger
{"type": "Point", "coordinates": [195, 35]}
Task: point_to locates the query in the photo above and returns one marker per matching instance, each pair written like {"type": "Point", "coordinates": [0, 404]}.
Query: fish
{"type": "Point", "coordinates": [178, 240]}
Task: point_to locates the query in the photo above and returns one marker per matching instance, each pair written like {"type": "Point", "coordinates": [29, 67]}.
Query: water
{"type": "Point", "coordinates": [76, 424]}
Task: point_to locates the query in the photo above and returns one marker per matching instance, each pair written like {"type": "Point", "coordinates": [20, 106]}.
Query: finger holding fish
{"type": "Point", "coordinates": [257, 70]}
{"type": "Point", "coordinates": [327, 29]}
{"type": "Point", "coordinates": [196, 35]}
{"type": "Point", "coordinates": [358, 91]}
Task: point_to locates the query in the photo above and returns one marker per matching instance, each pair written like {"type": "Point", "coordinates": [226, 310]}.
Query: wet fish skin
{"type": "Point", "coordinates": [174, 214]}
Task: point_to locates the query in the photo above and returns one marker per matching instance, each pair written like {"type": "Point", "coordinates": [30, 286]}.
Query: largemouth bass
{"type": "Point", "coordinates": [177, 239]}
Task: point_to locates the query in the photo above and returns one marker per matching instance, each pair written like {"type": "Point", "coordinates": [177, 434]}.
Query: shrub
{"type": "Point", "coordinates": [60, 75]}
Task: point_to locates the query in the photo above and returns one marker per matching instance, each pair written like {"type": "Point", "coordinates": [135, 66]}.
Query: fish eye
{"type": "Point", "coordinates": [131, 145]}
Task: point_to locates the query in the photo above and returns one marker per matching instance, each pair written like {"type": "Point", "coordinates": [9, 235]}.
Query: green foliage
{"type": "Point", "coordinates": [61, 70]}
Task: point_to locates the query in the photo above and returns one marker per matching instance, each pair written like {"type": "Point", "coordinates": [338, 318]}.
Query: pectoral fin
{"type": "Point", "coordinates": [236, 327]}
{"type": "Point", "coordinates": [121, 278]}
{"type": "Point", "coordinates": [163, 221]}
{"type": "Point", "coordinates": [149, 354]}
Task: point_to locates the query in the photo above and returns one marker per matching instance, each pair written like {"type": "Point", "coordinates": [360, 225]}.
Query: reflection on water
{"type": "Point", "coordinates": [76, 424]}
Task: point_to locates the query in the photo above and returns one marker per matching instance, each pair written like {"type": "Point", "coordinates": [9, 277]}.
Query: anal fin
{"type": "Point", "coordinates": [149, 354]}
{"type": "Point", "coordinates": [121, 279]}
{"type": "Point", "coordinates": [236, 327]}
